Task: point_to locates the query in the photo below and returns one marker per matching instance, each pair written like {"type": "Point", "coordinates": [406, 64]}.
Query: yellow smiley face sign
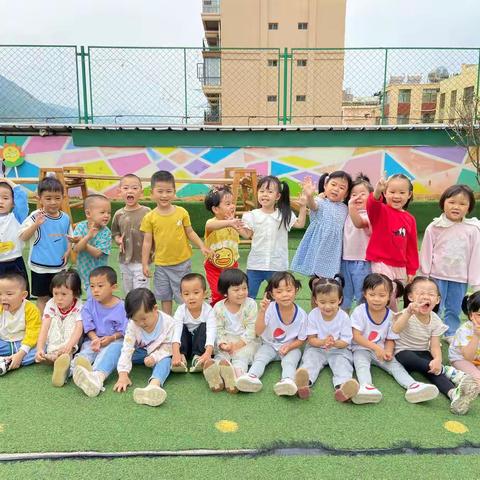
{"type": "Point", "coordinates": [223, 258]}
{"type": "Point", "coordinates": [11, 155]}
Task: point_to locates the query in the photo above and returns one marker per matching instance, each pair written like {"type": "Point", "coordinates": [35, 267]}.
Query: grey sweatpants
{"type": "Point", "coordinates": [338, 359]}
{"type": "Point", "coordinates": [364, 358]}
{"type": "Point", "coordinates": [266, 354]}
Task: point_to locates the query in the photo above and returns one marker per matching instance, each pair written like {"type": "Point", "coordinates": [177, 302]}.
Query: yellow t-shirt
{"type": "Point", "coordinates": [224, 242]}
{"type": "Point", "coordinates": [171, 242]}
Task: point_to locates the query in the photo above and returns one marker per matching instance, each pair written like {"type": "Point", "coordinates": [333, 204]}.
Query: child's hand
{"type": "Point", "coordinates": [95, 344]}
{"type": "Point", "coordinates": [123, 382]}
{"type": "Point", "coordinates": [237, 224]}
{"type": "Point", "coordinates": [308, 186]}
{"type": "Point", "coordinates": [203, 358]}
{"type": "Point", "coordinates": [379, 352]}
{"type": "Point", "coordinates": [206, 252]}
{"type": "Point", "coordinates": [39, 218]}
{"type": "Point", "coordinates": [73, 239]}
{"type": "Point", "coordinates": [435, 366]}
{"type": "Point", "coordinates": [284, 349]}
{"type": "Point", "coordinates": [104, 341]}
{"type": "Point", "coordinates": [92, 231]}
{"type": "Point", "coordinates": [149, 361]}
{"type": "Point", "coordinates": [387, 356]}
{"type": "Point", "coordinates": [40, 356]}
{"type": "Point", "coordinates": [226, 347]}
{"type": "Point", "coordinates": [302, 200]}
{"type": "Point", "coordinates": [329, 342]}
{"type": "Point", "coordinates": [120, 242]}
{"type": "Point", "coordinates": [146, 271]}
{"type": "Point", "coordinates": [381, 185]}
{"type": "Point", "coordinates": [264, 303]}
{"type": "Point", "coordinates": [176, 359]}
{"type": "Point", "coordinates": [16, 360]}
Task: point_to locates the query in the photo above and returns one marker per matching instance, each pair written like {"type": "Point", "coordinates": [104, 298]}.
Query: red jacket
{"type": "Point", "coordinates": [394, 236]}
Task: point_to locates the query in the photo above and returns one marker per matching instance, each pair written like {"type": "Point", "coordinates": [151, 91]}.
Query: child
{"type": "Point", "coordinates": [392, 248]}
{"type": "Point", "coordinates": [373, 343]}
{"type": "Point", "coordinates": [62, 326]}
{"type": "Point", "coordinates": [169, 227]}
{"type": "Point", "coordinates": [450, 252]}
{"type": "Point", "coordinates": [418, 347]}
{"type": "Point", "coordinates": [282, 325]}
{"type": "Point", "coordinates": [329, 338]}
{"type": "Point", "coordinates": [221, 236]}
{"type": "Point", "coordinates": [320, 251]}
{"type": "Point", "coordinates": [47, 229]}
{"type": "Point", "coordinates": [127, 235]}
{"type": "Point", "coordinates": [19, 323]}
{"type": "Point", "coordinates": [235, 344]}
{"type": "Point", "coordinates": [356, 234]}
{"type": "Point", "coordinates": [148, 341]}
{"type": "Point", "coordinates": [92, 237]}
{"type": "Point", "coordinates": [268, 227]}
{"type": "Point", "coordinates": [464, 351]}
{"type": "Point", "coordinates": [13, 211]}
{"type": "Point", "coordinates": [104, 322]}
{"type": "Point", "coordinates": [195, 327]}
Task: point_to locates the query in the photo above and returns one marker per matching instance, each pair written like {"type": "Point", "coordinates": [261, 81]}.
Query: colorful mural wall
{"type": "Point", "coordinates": [431, 169]}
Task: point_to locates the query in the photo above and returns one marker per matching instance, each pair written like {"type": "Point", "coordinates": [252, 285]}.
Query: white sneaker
{"type": "Point", "coordinates": [88, 382]}
{"type": "Point", "coordinates": [421, 392]}
{"type": "Point", "coordinates": [152, 395]}
{"type": "Point", "coordinates": [249, 383]}
{"type": "Point", "coordinates": [466, 392]}
{"type": "Point", "coordinates": [286, 386]}
{"type": "Point", "coordinates": [453, 374]}
{"type": "Point", "coordinates": [367, 394]}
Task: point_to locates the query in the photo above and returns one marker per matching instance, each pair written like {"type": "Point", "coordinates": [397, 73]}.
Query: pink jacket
{"type": "Point", "coordinates": [451, 251]}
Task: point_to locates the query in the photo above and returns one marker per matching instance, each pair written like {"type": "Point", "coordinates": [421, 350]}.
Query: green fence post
{"type": "Point", "coordinates": [84, 84]}
{"type": "Point", "coordinates": [185, 83]}
{"type": "Point", "coordinates": [285, 85]}
{"type": "Point", "coordinates": [384, 87]}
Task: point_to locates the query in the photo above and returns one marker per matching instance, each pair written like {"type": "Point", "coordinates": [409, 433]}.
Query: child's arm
{"type": "Point", "coordinates": [361, 340]}
{"type": "Point", "coordinates": [124, 365]}
{"type": "Point", "coordinates": [146, 249]}
{"type": "Point", "coordinates": [380, 187]}
{"type": "Point", "coordinates": [400, 320]}
{"type": "Point", "coordinates": [388, 349]}
{"type": "Point", "coordinates": [302, 212]}
{"type": "Point", "coordinates": [177, 335]}
{"type": "Point", "coordinates": [116, 233]}
{"type": "Point", "coordinates": [436, 352]}
{"type": "Point", "coordinates": [284, 349]}
{"type": "Point", "coordinates": [357, 219]}
{"type": "Point", "coordinates": [426, 252]}
{"type": "Point", "coordinates": [20, 202]}
{"type": "Point", "coordinates": [412, 251]}
{"type": "Point", "coordinates": [314, 341]}
{"type": "Point", "coordinates": [196, 240]}
{"type": "Point", "coordinates": [340, 344]}
{"type": "Point", "coordinates": [309, 191]}
{"type": "Point", "coordinates": [260, 324]}
{"type": "Point", "coordinates": [42, 338]}
{"type": "Point", "coordinates": [469, 351]}
{"type": "Point", "coordinates": [84, 245]}
{"type": "Point", "coordinates": [474, 262]}
{"type": "Point", "coordinates": [30, 226]}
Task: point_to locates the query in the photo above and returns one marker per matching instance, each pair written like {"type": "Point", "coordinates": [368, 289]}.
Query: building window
{"type": "Point", "coordinates": [302, 25]}
{"type": "Point", "coordinates": [404, 96]}
{"type": "Point", "coordinates": [428, 117]}
{"type": "Point", "coordinates": [301, 98]}
{"type": "Point", "coordinates": [442, 100]}
{"type": "Point", "coordinates": [301, 62]}
{"type": "Point", "coordinates": [429, 95]}
{"type": "Point", "coordinates": [273, 26]}
{"type": "Point", "coordinates": [272, 63]}
{"type": "Point", "coordinates": [387, 98]}
{"type": "Point", "coordinates": [403, 119]}
{"type": "Point", "coordinates": [453, 99]}
{"type": "Point", "coordinates": [271, 98]}
{"type": "Point", "coordinates": [468, 96]}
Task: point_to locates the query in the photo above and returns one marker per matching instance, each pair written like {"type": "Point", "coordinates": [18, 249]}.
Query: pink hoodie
{"type": "Point", "coordinates": [451, 251]}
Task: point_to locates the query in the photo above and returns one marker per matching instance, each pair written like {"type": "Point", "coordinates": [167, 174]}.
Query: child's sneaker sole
{"type": "Point", "coordinates": [60, 370]}
{"type": "Point", "coordinates": [149, 396]}
{"type": "Point", "coordinates": [83, 380]}
{"type": "Point", "coordinates": [83, 362]}
{"type": "Point", "coordinates": [213, 378]}
{"type": "Point", "coordinates": [196, 367]}
{"type": "Point", "coordinates": [244, 385]}
{"type": "Point", "coordinates": [285, 389]}
{"type": "Point", "coordinates": [302, 381]}
{"type": "Point", "coordinates": [347, 390]}
{"type": "Point", "coordinates": [371, 395]}
{"type": "Point", "coordinates": [470, 389]}
{"type": "Point", "coordinates": [228, 375]}
{"type": "Point", "coordinates": [429, 392]}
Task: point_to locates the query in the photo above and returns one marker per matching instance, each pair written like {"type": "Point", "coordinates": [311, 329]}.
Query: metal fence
{"type": "Point", "coordinates": [235, 86]}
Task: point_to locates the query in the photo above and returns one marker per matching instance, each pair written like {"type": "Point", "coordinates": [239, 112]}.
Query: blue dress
{"type": "Point", "coordinates": [320, 251]}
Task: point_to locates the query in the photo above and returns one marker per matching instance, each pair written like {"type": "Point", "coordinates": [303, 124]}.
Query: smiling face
{"type": "Point", "coordinates": [268, 195]}
{"type": "Point", "coordinates": [359, 195]}
{"type": "Point", "coordinates": [146, 320]}
{"type": "Point", "coordinates": [328, 304]}
{"type": "Point", "coordinates": [51, 202]}
{"type": "Point", "coordinates": [99, 212]}
{"type": "Point", "coordinates": [6, 199]}
{"type": "Point", "coordinates": [377, 298]}
{"type": "Point", "coordinates": [12, 295]}
{"type": "Point", "coordinates": [226, 208]}
{"type": "Point", "coordinates": [425, 294]}
{"type": "Point", "coordinates": [163, 193]}
{"type": "Point", "coordinates": [193, 293]}
{"type": "Point", "coordinates": [336, 189]}
{"type": "Point", "coordinates": [284, 294]}
{"type": "Point", "coordinates": [456, 207]}
{"type": "Point", "coordinates": [130, 191]}
{"type": "Point", "coordinates": [397, 193]}
{"type": "Point", "coordinates": [236, 294]}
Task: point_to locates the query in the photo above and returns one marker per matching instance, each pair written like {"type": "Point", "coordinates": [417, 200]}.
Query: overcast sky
{"type": "Point", "coordinates": [177, 23]}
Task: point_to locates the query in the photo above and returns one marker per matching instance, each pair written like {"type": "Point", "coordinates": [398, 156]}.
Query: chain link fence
{"type": "Point", "coordinates": [233, 86]}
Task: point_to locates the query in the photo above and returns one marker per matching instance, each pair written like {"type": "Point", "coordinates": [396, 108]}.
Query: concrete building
{"type": "Point", "coordinates": [244, 87]}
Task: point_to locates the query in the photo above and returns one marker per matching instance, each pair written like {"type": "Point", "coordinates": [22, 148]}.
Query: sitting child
{"type": "Point", "coordinates": [235, 344]}
{"type": "Point", "coordinates": [148, 341]}
{"type": "Point", "coordinates": [195, 327]}
{"type": "Point", "coordinates": [19, 323]}
{"type": "Point", "coordinates": [104, 322]}
{"type": "Point", "coordinates": [282, 325]}
{"type": "Point", "coordinates": [62, 326]}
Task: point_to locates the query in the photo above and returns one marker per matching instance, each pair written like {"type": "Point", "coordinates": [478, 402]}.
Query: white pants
{"type": "Point", "coordinates": [242, 358]}
{"type": "Point", "coordinates": [266, 354]}
{"type": "Point", "coordinates": [132, 276]}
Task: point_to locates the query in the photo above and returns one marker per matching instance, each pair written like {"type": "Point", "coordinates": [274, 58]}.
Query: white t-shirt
{"type": "Point", "coordinates": [233, 324]}
{"type": "Point", "coordinates": [278, 333]}
{"type": "Point", "coordinates": [377, 333]}
{"type": "Point", "coordinates": [355, 240]}
{"type": "Point", "coordinates": [184, 317]}
{"type": "Point", "coordinates": [10, 245]}
{"type": "Point", "coordinates": [340, 327]}
{"type": "Point", "coordinates": [269, 249]}
{"type": "Point", "coordinates": [462, 338]}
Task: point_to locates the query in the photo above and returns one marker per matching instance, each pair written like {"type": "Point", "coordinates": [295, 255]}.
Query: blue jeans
{"type": "Point", "coordinates": [255, 278]}
{"type": "Point", "coordinates": [452, 294]}
{"type": "Point", "coordinates": [9, 348]}
{"type": "Point", "coordinates": [354, 273]}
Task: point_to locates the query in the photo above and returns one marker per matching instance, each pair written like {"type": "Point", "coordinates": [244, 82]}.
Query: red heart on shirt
{"type": "Point", "coordinates": [373, 335]}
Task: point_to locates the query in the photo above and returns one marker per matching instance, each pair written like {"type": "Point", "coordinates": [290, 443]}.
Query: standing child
{"type": "Point", "coordinates": [127, 235]}
{"type": "Point", "coordinates": [329, 339]}
{"type": "Point", "coordinates": [221, 236]}
{"type": "Point", "coordinates": [235, 344]}
{"type": "Point", "coordinates": [464, 351]}
{"type": "Point", "coordinates": [19, 323]}
{"type": "Point", "coordinates": [195, 328]}
{"type": "Point", "coordinates": [418, 347]}
{"type": "Point", "coordinates": [450, 252]}
{"type": "Point", "coordinates": [268, 227]}
{"type": "Point", "coordinates": [148, 341]}
{"type": "Point", "coordinates": [13, 211]}
{"type": "Point", "coordinates": [47, 229]}
{"type": "Point", "coordinates": [169, 227]}
{"type": "Point", "coordinates": [356, 234]}
{"type": "Point", "coordinates": [320, 251]}
{"type": "Point", "coordinates": [104, 322]}
{"type": "Point", "coordinates": [93, 238]}
{"type": "Point", "coordinates": [282, 325]}
{"type": "Point", "coordinates": [373, 343]}
{"type": "Point", "coordinates": [62, 326]}
{"type": "Point", "coordinates": [392, 248]}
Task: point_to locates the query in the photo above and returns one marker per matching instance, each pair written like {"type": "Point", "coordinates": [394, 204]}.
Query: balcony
{"type": "Point", "coordinates": [209, 75]}
{"type": "Point", "coordinates": [211, 7]}
{"type": "Point", "coordinates": [212, 116]}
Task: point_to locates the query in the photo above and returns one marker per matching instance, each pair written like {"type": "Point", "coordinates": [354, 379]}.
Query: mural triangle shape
{"type": "Point", "coordinates": [281, 168]}
{"type": "Point", "coordinates": [391, 166]}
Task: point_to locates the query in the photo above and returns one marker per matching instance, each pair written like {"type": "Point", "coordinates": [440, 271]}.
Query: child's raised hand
{"type": "Point", "coordinates": [381, 185]}
{"type": "Point", "coordinates": [92, 231]}
{"type": "Point", "coordinates": [435, 366]}
{"type": "Point", "coordinates": [264, 303]}
{"type": "Point", "coordinates": [149, 361]}
{"type": "Point", "coordinates": [413, 308]}
{"type": "Point", "coordinates": [302, 199]}
{"type": "Point", "coordinates": [39, 218]}
{"type": "Point", "coordinates": [123, 382]}
{"type": "Point", "coordinates": [308, 186]}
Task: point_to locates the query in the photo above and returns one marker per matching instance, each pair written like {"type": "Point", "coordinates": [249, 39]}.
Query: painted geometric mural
{"type": "Point", "coordinates": [431, 169]}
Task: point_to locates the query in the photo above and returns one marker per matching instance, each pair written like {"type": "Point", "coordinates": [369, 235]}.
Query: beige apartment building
{"type": "Point", "coordinates": [243, 81]}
